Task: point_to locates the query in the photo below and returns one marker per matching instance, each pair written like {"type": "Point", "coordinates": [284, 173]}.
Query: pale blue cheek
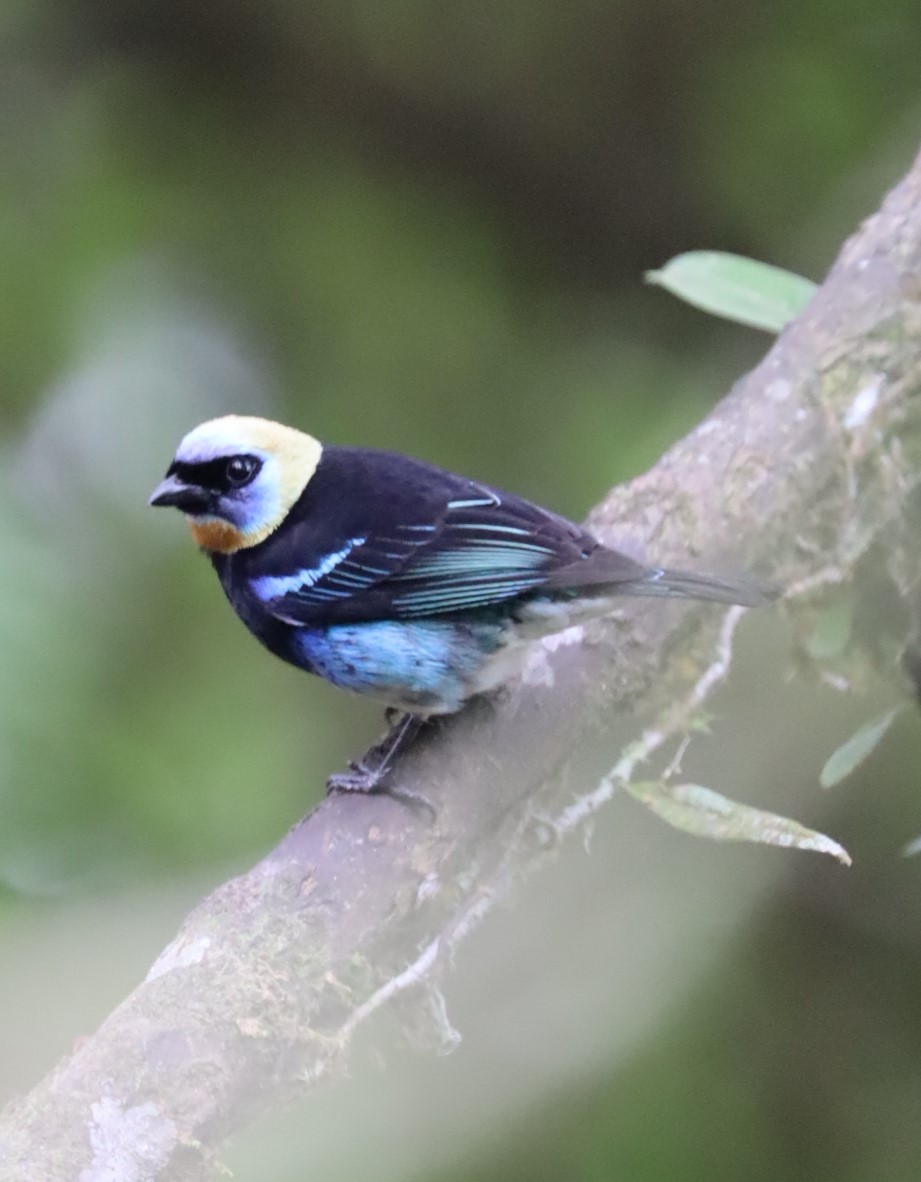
{"type": "Point", "coordinates": [255, 505]}
{"type": "Point", "coordinates": [424, 665]}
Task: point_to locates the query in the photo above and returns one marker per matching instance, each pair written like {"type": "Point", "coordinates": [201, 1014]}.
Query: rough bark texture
{"type": "Point", "coordinates": [797, 473]}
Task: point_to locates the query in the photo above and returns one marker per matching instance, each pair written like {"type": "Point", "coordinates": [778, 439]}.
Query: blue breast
{"type": "Point", "coordinates": [428, 666]}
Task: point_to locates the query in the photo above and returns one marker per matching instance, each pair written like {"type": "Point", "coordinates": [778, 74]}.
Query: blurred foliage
{"type": "Point", "coordinates": [417, 226]}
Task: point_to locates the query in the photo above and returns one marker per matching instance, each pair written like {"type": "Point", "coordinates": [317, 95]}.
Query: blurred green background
{"type": "Point", "coordinates": [420, 226]}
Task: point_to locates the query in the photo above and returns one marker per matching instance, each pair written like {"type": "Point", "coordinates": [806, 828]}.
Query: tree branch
{"type": "Point", "coordinates": [804, 467]}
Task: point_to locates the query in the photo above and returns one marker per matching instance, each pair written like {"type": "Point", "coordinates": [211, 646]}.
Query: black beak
{"type": "Point", "coordinates": [190, 498]}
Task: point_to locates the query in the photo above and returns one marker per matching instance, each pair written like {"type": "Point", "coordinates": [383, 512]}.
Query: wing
{"type": "Point", "coordinates": [422, 542]}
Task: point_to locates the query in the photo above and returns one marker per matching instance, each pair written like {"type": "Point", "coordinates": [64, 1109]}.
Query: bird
{"type": "Point", "coordinates": [392, 577]}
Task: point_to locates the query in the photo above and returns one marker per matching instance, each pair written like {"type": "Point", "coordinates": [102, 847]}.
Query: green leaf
{"type": "Point", "coordinates": [851, 754]}
{"type": "Point", "coordinates": [701, 811]}
{"type": "Point", "coordinates": [735, 288]}
{"type": "Point", "coordinates": [831, 633]}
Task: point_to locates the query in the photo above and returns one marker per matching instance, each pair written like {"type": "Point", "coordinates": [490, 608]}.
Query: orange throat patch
{"type": "Point", "coordinates": [212, 534]}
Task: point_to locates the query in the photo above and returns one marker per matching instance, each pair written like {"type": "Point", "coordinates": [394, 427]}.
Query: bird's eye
{"type": "Point", "coordinates": [240, 470]}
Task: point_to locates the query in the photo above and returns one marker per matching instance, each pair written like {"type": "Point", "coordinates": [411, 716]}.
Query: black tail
{"type": "Point", "coordinates": [682, 584]}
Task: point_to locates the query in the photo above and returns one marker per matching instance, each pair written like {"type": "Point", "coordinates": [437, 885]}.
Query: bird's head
{"type": "Point", "coordinates": [236, 478]}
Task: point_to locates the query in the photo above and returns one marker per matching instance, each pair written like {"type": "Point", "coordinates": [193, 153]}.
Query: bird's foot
{"type": "Point", "coordinates": [359, 778]}
{"type": "Point", "coordinates": [369, 774]}
{"type": "Point", "coordinates": [372, 781]}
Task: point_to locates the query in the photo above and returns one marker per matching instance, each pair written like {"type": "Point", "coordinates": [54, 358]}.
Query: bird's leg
{"type": "Point", "coordinates": [366, 775]}
{"type": "Point", "coordinates": [400, 736]}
